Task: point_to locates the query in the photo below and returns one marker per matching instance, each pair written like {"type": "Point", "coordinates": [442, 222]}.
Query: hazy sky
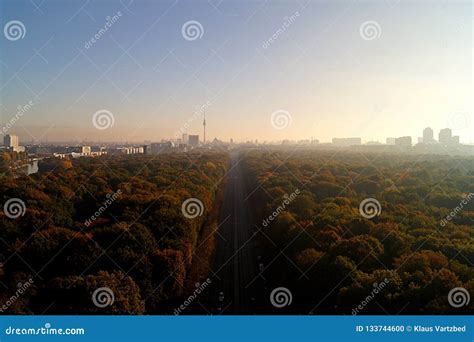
{"type": "Point", "coordinates": [338, 68]}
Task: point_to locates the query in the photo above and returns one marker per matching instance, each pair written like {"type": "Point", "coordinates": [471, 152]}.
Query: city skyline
{"type": "Point", "coordinates": [313, 61]}
{"type": "Point", "coordinates": [445, 136]}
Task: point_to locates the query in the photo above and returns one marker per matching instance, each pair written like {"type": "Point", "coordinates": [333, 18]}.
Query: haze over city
{"type": "Point", "coordinates": [310, 60]}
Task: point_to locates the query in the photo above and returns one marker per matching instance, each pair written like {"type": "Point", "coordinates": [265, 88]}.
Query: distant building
{"type": "Point", "coordinates": [193, 140]}
{"type": "Point", "coordinates": [12, 143]}
{"type": "Point", "coordinates": [345, 142]}
{"type": "Point", "coordinates": [127, 150]}
{"type": "Point", "coordinates": [86, 150]}
{"type": "Point", "coordinates": [456, 140]}
{"type": "Point", "coordinates": [185, 138]}
{"type": "Point", "coordinates": [98, 148]}
{"type": "Point", "coordinates": [446, 136]}
{"type": "Point", "coordinates": [79, 151]}
{"type": "Point", "coordinates": [218, 143]}
{"type": "Point", "coordinates": [391, 141]}
{"type": "Point", "coordinates": [10, 140]}
{"type": "Point", "coordinates": [314, 141]}
{"type": "Point", "coordinates": [304, 142]}
{"type": "Point", "coordinates": [428, 135]}
{"type": "Point", "coordinates": [403, 141]}
{"type": "Point", "coordinates": [158, 148]}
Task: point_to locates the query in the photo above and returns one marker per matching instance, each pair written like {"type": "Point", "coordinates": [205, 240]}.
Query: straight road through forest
{"type": "Point", "coordinates": [235, 260]}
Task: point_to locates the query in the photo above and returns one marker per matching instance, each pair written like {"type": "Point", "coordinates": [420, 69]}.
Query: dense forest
{"type": "Point", "coordinates": [108, 221]}
{"type": "Point", "coordinates": [118, 222]}
{"type": "Point", "coordinates": [316, 243]}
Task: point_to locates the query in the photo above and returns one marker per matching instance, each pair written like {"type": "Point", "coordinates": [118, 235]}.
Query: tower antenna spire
{"type": "Point", "coordinates": [204, 124]}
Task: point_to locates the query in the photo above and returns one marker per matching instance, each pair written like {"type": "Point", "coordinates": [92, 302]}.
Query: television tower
{"type": "Point", "coordinates": [204, 124]}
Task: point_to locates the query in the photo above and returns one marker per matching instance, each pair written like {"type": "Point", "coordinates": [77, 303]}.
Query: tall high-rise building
{"type": "Point", "coordinates": [193, 140]}
{"type": "Point", "coordinates": [185, 138]}
{"type": "Point", "coordinates": [428, 136]}
{"type": "Point", "coordinates": [11, 141]}
{"type": "Point", "coordinates": [446, 136]}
